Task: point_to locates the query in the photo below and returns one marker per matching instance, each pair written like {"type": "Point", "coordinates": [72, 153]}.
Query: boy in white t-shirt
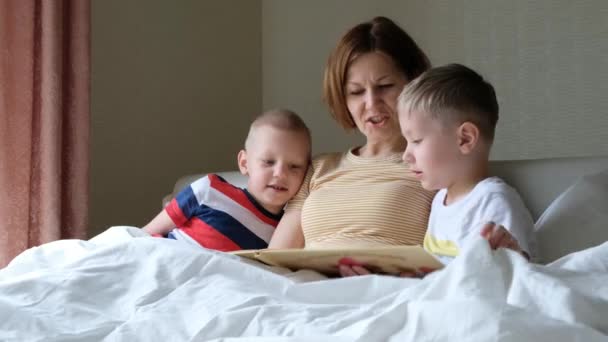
{"type": "Point", "coordinates": [448, 116]}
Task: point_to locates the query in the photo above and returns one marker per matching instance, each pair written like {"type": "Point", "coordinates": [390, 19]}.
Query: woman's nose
{"type": "Point", "coordinates": [371, 98]}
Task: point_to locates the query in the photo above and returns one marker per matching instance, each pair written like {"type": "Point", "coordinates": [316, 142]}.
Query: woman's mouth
{"type": "Point", "coordinates": [378, 120]}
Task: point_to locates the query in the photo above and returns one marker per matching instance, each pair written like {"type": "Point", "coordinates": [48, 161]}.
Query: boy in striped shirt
{"type": "Point", "coordinates": [214, 214]}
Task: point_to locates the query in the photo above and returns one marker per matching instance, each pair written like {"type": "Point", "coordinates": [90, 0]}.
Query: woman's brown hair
{"type": "Point", "coordinates": [382, 35]}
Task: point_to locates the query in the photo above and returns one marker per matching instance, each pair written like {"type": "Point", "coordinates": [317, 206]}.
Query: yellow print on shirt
{"type": "Point", "coordinates": [440, 247]}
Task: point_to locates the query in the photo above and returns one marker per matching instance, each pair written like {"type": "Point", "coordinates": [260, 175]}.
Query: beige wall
{"type": "Point", "coordinates": [547, 60]}
{"type": "Point", "coordinates": [297, 37]}
{"type": "Point", "coordinates": [164, 72]}
{"type": "Point", "coordinates": [174, 85]}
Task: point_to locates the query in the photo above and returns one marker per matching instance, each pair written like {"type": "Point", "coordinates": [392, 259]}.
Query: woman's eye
{"type": "Point", "coordinates": [355, 92]}
{"type": "Point", "coordinates": [385, 86]}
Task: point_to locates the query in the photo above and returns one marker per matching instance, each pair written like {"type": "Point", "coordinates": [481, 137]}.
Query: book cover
{"type": "Point", "coordinates": [385, 259]}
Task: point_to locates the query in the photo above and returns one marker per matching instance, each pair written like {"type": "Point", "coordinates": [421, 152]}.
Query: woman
{"type": "Point", "coordinates": [366, 195]}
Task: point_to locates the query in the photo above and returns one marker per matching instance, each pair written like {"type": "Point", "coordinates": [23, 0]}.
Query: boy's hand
{"type": "Point", "coordinates": [499, 237]}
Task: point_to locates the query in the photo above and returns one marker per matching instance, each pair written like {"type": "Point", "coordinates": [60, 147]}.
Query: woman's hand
{"type": "Point", "coordinates": [349, 267]}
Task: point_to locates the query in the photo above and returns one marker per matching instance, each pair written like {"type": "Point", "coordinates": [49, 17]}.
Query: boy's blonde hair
{"type": "Point", "coordinates": [282, 119]}
{"type": "Point", "coordinates": [453, 94]}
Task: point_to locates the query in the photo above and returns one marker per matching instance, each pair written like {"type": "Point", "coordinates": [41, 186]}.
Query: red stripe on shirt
{"type": "Point", "coordinates": [175, 213]}
{"type": "Point", "coordinates": [208, 236]}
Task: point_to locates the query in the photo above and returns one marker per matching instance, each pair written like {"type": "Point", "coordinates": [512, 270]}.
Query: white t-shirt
{"type": "Point", "coordinates": [451, 226]}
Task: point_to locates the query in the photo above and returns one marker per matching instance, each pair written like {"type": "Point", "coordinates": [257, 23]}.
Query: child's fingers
{"type": "Point", "coordinates": [499, 237]}
{"type": "Point", "coordinates": [513, 244]}
{"type": "Point", "coordinates": [496, 237]}
{"type": "Point", "coordinates": [504, 242]}
{"type": "Point", "coordinates": [487, 229]}
{"type": "Point", "coordinates": [503, 239]}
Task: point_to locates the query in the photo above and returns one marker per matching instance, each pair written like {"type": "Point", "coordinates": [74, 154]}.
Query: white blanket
{"type": "Point", "coordinates": [119, 287]}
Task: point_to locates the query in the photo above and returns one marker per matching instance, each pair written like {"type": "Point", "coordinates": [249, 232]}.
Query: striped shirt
{"type": "Point", "coordinates": [347, 199]}
{"type": "Point", "coordinates": [220, 216]}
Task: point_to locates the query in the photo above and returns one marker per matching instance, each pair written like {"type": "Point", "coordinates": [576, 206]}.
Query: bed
{"type": "Point", "coordinates": [123, 286]}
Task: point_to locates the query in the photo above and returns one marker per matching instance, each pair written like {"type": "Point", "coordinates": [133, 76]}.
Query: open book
{"type": "Point", "coordinates": [385, 259]}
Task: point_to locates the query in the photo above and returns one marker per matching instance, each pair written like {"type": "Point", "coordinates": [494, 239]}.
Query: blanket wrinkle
{"type": "Point", "coordinates": [123, 285]}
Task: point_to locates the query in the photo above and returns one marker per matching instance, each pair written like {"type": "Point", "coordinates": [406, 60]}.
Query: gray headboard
{"type": "Point", "coordinates": [540, 181]}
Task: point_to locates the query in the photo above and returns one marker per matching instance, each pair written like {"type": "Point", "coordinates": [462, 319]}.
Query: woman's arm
{"type": "Point", "coordinates": [161, 224]}
{"type": "Point", "coordinates": [288, 233]}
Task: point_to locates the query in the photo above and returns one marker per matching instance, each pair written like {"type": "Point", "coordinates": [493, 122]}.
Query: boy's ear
{"type": "Point", "coordinates": [242, 161]}
{"type": "Point", "coordinates": [468, 137]}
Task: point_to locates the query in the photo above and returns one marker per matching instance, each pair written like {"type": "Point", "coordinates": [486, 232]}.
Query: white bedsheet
{"type": "Point", "coordinates": [116, 287]}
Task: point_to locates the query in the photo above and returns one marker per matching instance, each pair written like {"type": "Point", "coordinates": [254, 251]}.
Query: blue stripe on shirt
{"type": "Point", "coordinates": [229, 227]}
{"type": "Point", "coordinates": [219, 220]}
{"type": "Point", "coordinates": [187, 202]}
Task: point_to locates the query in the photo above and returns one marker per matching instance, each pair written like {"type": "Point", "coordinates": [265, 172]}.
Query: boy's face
{"type": "Point", "coordinates": [432, 149]}
{"type": "Point", "coordinates": [276, 162]}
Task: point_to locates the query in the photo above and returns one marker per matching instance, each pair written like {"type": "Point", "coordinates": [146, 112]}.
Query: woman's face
{"type": "Point", "coordinates": [373, 83]}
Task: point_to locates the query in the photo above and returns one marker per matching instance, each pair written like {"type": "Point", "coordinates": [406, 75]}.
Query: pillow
{"type": "Point", "coordinates": [577, 219]}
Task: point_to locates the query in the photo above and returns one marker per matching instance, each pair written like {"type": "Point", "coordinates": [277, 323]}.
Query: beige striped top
{"type": "Point", "coordinates": [347, 199]}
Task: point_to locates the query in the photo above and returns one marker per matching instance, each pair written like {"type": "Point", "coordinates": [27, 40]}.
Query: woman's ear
{"type": "Point", "coordinates": [468, 137]}
{"type": "Point", "coordinates": [242, 161]}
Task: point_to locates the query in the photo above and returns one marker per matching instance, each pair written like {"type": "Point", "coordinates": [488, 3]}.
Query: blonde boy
{"type": "Point", "coordinates": [214, 214]}
{"type": "Point", "coordinates": [448, 116]}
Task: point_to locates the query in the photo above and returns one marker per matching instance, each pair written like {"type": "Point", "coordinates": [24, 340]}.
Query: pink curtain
{"type": "Point", "coordinates": [44, 122]}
